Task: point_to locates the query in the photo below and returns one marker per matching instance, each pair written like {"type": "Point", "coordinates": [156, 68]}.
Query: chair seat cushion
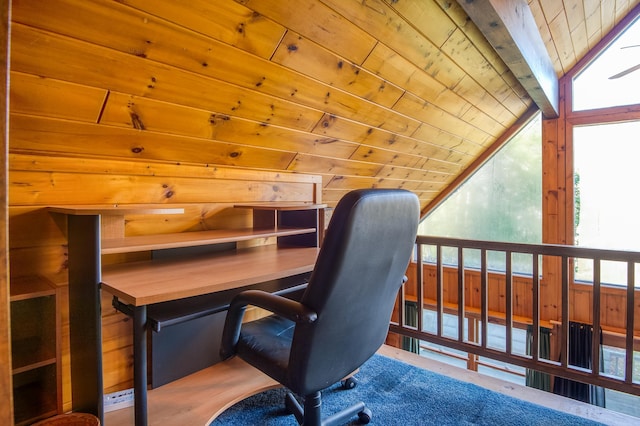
{"type": "Point", "coordinates": [266, 343]}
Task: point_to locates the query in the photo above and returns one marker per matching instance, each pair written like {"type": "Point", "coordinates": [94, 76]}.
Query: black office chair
{"type": "Point", "coordinates": [343, 316]}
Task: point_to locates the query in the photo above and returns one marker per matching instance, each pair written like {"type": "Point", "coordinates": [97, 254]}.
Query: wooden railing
{"type": "Point", "coordinates": [547, 296]}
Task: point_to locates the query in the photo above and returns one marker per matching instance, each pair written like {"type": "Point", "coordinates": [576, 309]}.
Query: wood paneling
{"type": "Point", "coordinates": [304, 56]}
{"type": "Point", "coordinates": [277, 86]}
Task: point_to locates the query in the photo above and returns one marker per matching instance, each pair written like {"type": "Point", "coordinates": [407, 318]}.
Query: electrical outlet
{"type": "Point", "coordinates": [118, 400]}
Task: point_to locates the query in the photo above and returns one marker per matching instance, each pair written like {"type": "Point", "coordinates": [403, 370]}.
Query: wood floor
{"type": "Point", "coordinates": [200, 397]}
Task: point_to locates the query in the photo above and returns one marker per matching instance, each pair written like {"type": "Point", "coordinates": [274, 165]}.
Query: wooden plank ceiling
{"type": "Point", "coordinates": [373, 93]}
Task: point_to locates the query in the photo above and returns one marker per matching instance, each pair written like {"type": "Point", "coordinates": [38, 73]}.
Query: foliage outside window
{"type": "Point", "coordinates": [502, 201]}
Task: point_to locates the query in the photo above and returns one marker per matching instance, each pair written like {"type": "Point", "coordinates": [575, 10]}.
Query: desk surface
{"type": "Point", "coordinates": [144, 283]}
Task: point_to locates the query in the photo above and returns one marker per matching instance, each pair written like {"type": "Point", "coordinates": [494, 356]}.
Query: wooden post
{"type": "Point", "coordinates": [557, 207]}
{"type": "Point", "coordinates": [6, 395]}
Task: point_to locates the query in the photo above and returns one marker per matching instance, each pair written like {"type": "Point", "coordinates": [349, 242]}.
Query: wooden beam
{"type": "Point", "coordinates": [510, 28]}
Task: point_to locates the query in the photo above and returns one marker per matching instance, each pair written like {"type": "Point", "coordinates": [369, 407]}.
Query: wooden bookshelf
{"type": "Point", "coordinates": [35, 349]}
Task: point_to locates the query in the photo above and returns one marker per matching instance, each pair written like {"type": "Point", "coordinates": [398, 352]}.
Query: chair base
{"type": "Point", "coordinates": [310, 415]}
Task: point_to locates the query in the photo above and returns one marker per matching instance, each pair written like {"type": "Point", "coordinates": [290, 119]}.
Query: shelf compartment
{"type": "Point", "coordinates": [33, 340]}
{"type": "Point", "coordinates": [29, 287]}
{"type": "Point", "coordinates": [35, 395]}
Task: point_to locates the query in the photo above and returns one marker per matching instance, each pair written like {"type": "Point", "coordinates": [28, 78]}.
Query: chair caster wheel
{"type": "Point", "coordinates": [349, 383]}
{"type": "Point", "coordinates": [365, 416]}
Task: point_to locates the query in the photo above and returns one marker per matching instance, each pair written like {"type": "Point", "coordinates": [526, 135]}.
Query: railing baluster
{"type": "Point", "coordinates": [484, 298]}
{"type": "Point", "coordinates": [509, 303]}
{"type": "Point", "coordinates": [420, 288]}
{"type": "Point", "coordinates": [461, 298]}
{"type": "Point", "coordinates": [595, 333]}
{"type": "Point", "coordinates": [401, 302]}
{"type": "Point", "coordinates": [535, 350]}
{"type": "Point", "coordinates": [564, 329]}
{"type": "Point", "coordinates": [439, 287]}
{"type": "Point", "coordinates": [631, 282]}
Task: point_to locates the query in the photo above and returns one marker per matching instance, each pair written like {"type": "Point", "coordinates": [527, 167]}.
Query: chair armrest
{"type": "Point", "coordinates": [287, 308]}
{"type": "Point", "coordinates": [278, 304]}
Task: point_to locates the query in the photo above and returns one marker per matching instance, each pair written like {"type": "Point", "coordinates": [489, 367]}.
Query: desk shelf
{"type": "Point", "coordinates": [194, 239]}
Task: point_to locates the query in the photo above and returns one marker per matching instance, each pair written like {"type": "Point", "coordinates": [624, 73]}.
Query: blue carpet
{"type": "Point", "coordinates": [400, 394]}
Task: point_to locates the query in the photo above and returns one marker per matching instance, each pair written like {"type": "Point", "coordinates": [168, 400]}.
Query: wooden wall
{"type": "Point", "coordinates": [362, 96]}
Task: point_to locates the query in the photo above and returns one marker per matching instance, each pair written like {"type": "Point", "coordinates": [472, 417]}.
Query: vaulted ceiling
{"type": "Point", "coordinates": [366, 93]}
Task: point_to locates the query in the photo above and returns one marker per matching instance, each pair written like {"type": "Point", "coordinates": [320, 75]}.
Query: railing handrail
{"type": "Point", "coordinates": [529, 248]}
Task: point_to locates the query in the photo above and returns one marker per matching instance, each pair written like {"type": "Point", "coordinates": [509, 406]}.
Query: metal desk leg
{"type": "Point", "coordinates": [140, 364]}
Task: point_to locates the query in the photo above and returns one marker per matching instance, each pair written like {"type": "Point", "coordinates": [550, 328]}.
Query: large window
{"type": "Point", "coordinates": [605, 155]}
{"type": "Point", "coordinates": [502, 201]}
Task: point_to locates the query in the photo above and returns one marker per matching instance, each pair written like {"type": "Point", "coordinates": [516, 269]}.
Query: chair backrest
{"type": "Point", "coordinates": [353, 287]}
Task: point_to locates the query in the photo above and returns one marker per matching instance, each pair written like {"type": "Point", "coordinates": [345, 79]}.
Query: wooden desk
{"type": "Point", "coordinates": [141, 283]}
